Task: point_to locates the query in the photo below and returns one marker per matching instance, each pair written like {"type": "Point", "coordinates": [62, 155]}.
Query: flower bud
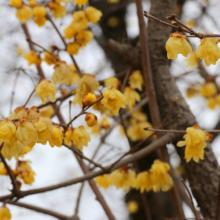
{"type": "Point", "coordinates": [91, 119]}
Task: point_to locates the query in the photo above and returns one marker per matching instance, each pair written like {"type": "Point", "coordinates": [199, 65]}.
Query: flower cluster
{"type": "Point", "coordinates": [77, 30]}
{"type": "Point", "coordinates": [157, 178]}
{"type": "Point", "coordinates": [208, 49]}
{"type": "Point", "coordinates": [5, 213]}
{"type": "Point", "coordinates": [195, 141]}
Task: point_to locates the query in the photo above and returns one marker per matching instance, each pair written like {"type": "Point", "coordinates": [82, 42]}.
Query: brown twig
{"type": "Point", "coordinates": [78, 199]}
{"type": "Point", "coordinates": [29, 98]}
{"type": "Point", "coordinates": [190, 196]}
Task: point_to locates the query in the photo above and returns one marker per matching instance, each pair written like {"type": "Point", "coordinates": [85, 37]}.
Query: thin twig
{"type": "Point", "coordinates": [190, 196]}
{"type": "Point", "coordinates": [29, 98]}
{"type": "Point", "coordinates": [78, 199]}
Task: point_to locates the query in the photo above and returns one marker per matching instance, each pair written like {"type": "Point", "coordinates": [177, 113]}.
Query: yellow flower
{"type": "Point", "coordinates": [33, 58]}
{"type": "Point", "coordinates": [191, 60]}
{"type": "Point", "coordinates": [80, 21]}
{"type": "Point", "coordinates": [74, 76]}
{"type": "Point", "coordinates": [136, 80]}
{"type": "Point", "coordinates": [123, 178]}
{"type": "Point", "coordinates": [113, 1]}
{"type": "Point", "coordinates": [65, 1]}
{"type": "Point", "coordinates": [18, 113]}
{"type": "Point", "coordinates": [62, 74]}
{"type": "Point", "coordinates": [208, 50]}
{"type": "Point", "coordinates": [177, 44]}
{"type": "Point", "coordinates": [103, 181]}
{"type": "Point", "coordinates": [57, 9]}
{"type": "Point", "coordinates": [93, 15]}
{"type": "Point", "coordinates": [105, 123]}
{"type": "Point", "coordinates": [132, 207]}
{"type": "Point", "coordinates": [144, 181]}
{"type": "Point", "coordinates": [7, 132]}
{"type": "Point", "coordinates": [112, 81]}
{"type": "Point", "coordinates": [12, 150]}
{"type": "Point", "coordinates": [80, 3]}
{"type": "Point", "coordinates": [211, 103]}
{"type": "Point", "coordinates": [39, 15]}
{"type": "Point", "coordinates": [24, 13]}
{"type": "Point", "coordinates": [95, 130]}
{"type": "Point", "coordinates": [68, 139]}
{"type": "Point", "coordinates": [26, 132]}
{"type": "Point", "coordinates": [32, 3]}
{"type": "Point", "coordinates": [27, 149]}
{"type": "Point", "coordinates": [161, 178]}
{"type": "Point", "coordinates": [91, 119]}
{"type": "Point", "coordinates": [46, 89]}
{"type": "Point", "coordinates": [70, 32]}
{"type": "Point", "coordinates": [81, 137]}
{"type": "Point", "coordinates": [208, 90]}
{"type": "Point", "coordinates": [49, 59]}
{"type": "Point", "coordinates": [16, 3]}
{"type": "Point", "coordinates": [113, 100]}
{"type": "Point", "coordinates": [33, 112]}
{"type": "Point", "coordinates": [25, 172]}
{"type": "Point", "coordinates": [113, 21]}
{"type": "Point", "coordinates": [131, 97]}
{"type": "Point", "coordinates": [136, 131]}
{"type": "Point", "coordinates": [56, 138]}
{"type": "Point", "coordinates": [217, 98]}
{"type": "Point", "coordinates": [88, 99]}
{"type": "Point", "coordinates": [73, 48]}
{"type": "Point", "coordinates": [195, 141]}
{"type": "Point", "coordinates": [191, 23]}
{"type": "Point", "coordinates": [44, 129]}
{"type": "Point", "coordinates": [87, 84]}
{"type": "Point", "coordinates": [19, 50]}
{"type": "Point", "coordinates": [5, 213]}
{"type": "Point", "coordinates": [191, 92]}
{"type": "Point", "coordinates": [99, 106]}
{"type": "Point", "coordinates": [138, 116]}
{"type": "Point", "coordinates": [3, 170]}
{"type": "Point", "coordinates": [47, 111]}
{"type": "Point", "coordinates": [84, 37]}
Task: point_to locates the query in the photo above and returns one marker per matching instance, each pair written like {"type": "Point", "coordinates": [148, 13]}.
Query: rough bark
{"type": "Point", "coordinates": [202, 176]}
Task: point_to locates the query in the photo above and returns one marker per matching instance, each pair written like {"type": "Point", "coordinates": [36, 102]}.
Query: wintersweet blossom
{"type": "Point", "coordinates": [211, 103]}
{"type": "Point", "coordinates": [24, 13]}
{"type": "Point", "coordinates": [80, 22]}
{"type": "Point", "coordinates": [73, 48]}
{"type": "Point", "coordinates": [112, 81]}
{"type": "Point", "coordinates": [144, 181]}
{"type": "Point", "coordinates": [84, 37]}
{"type": "Point", "coordinates": [131, 97]}
{"type": "Point", "coordinates": [18, 113]}
{"type": "Point", "coordinates": [46, 89]}
{"type": "Point", "coordinates": [136, 80]}
{"type": "Point", "coordinates": [208, 90]}
{"type": "Point", "coordinates": [49, 59]}
{"type": "Point", "coordinates": [57, 9]}
{"type": "Point", "coordinates": [195, 141]}
{"type": "Point", "coordinates": [39, 13]}
{"type": "Point", "coordinates": [177, 44]}
{"type": "Point", "coordinates": [3, 170]}
{"type": "Point", "coordinates": [16, 3]}
{"type": "Point", "coordinates": [33, 112]}
{"type": "Point", "coordinates": [93, 15]}
{"type": "Point", "coordinates": [132, 207]}
{"type": "Point", "coordinates": [47, 111]}
{"type": "Point", "coordinates": [25, 172]}
{"type": "Point", "coordinates": [103, 181]}
{"type": "Point", "coordinates": [56, 138]}
{"type": "Point", "coordinates": [5, 213]}
{"type": "Point", "coordinates": [113, 100]}
{"type": "Point", "coordinates": [191, 60]}
{"type": "Point", "coordinates": [91, 119]}
{"type": "Point", "coordinates": [80, 3]}
{"type": "Point", "coordinates": [88, 99]}
{"type": "Point", "coordinates": [33, 58]}
{"type": "Point", "coordinates": [105, 123]}
{"type": "Point", "coordinates": [208, 50]}
{"type": "Point", "coordinates": [191, 91]}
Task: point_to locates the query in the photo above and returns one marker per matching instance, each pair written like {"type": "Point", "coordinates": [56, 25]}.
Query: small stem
{"type": "Point", "coordinates": [30, 41]}
{"type": "Point", "coordinates": [78, 199]}
{"type": "Point", "coordinates": [29, 98]}
{"type": "Point", "coordinates": [190, 196]}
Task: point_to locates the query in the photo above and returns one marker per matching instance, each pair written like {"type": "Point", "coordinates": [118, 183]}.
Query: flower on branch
{"type": "Point", "coordinates": [5, 213]}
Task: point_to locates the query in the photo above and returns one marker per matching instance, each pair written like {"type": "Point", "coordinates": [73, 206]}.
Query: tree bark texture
{"type": "Point", "coordinates": [203, 176]}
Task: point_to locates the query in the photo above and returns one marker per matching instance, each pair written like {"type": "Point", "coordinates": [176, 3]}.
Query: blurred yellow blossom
{"type": "Point", "coordinates": [131, 97]}
{"type": "Point", "coordinates": [5, 213]}
{"type": "Point", "coordinates": [211, 103]}
{"type": "Point", "coordinates": [33, 58]}
{"type": "Point", "coordinates": [19, 50]}
{"type": "Point", "coordinates": [105, 123]}
{"type": "Point", "coordinates": [39, 13]}
{"type": "Point", "coordinates": [84, 37]}
{"type": "Point", "coordinates": [208, 50]}
{"type": "Point", "coordinates": [144, 181]}
{"type": "Point", "coordinates": [80, 3]}
{"type": "Point", "coordinates": [18, 113]}
{"type": "Point", "coordinates": [113, 21]}
{"type": "Point", "coordinates": [47, 111]}
{"type": "Point", "coordinates": [195, 141]}
{"type": "Point", "coordinates": [86, 84]}
{"type": "Point", "coordinates": [191, 91]}
{"type": "Point", "coordinates": [25, 172]}
{"type": "Point", "coordinates": [3, 170]}
{"type": "Point", "coordinates": [191, 23]}
{"type": "Point", "coordinates": [24, 13]}
{"type": "Point", "coordinates": [88, 99]}
{"type": "Point", "coordinates": [33, 112]}
{"type": "Point", "coordinates": [70, 32]}
{"type": "Point", "coordinates": [113, 1]}
{"type": "Point", "coordinates": [16, 3]}
{"type": "Point", "coordinates": [112, 81]}
{"type": "Point", "coordinates": [103, 181]}
{"type": "Point", "coordinates": [136, 80]}
{"type": "Point", "coordinates": [95, 129]}
{"type": "Point", "coordinates": [80, 21]}
{"type": "Point", "coordinates": [46, 89]}
{"type": "Point", "coordinates": [191, 60]}
{"type": "Point", "coordinates": [113, 100]}
{"type": "Point", "coordinates": [132, 207]}
{"type": "Point", "coordinates": [177, 44]}
{"type": "Point", "coordinates": [49, 59]}
{"type": "Point", "coordinates": [81, 137]}
{"type": "Point", "coordinates": [73, 48]}
{"type": "Point", "coordinates": [91, 119]}
{"type": "Point", "coordinates": [93, 15]}
{"type": "Point", "coordinates": [56, 138]}
{"type": "Point", "coordinates": [57, 9]}
{"type": "Point", "coordinates": [32, 3]}
{"type": "Point", "coordinates": [208, 90]}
